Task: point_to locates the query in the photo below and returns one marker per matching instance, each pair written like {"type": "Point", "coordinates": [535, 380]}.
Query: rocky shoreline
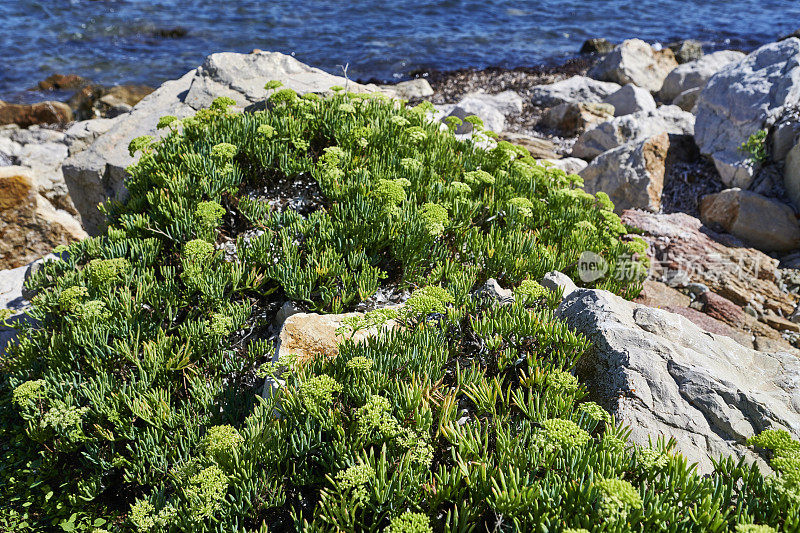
{"type": "Point", "coordinates": [659, 130]}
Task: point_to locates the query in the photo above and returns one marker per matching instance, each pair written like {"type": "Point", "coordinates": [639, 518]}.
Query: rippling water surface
{"type": "Point", "coordinates": [122, 41]}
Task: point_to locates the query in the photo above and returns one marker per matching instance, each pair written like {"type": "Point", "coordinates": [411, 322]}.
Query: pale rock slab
{"type": "Point", "coordinates": [635, 61]}
{"type": "Point", "coordinates": [660, 374]}
{"type": "Point", "coordinates": [742, 99]}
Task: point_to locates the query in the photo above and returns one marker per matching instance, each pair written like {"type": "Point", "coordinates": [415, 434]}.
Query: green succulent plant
{"type": "Point", "coordinates": [132, 401]}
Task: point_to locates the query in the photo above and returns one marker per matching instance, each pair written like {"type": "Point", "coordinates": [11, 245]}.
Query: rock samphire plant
{"type": "Point", "coordinates": [132, 401]}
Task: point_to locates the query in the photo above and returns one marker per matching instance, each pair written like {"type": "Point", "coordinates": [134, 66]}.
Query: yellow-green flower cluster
{"type": "Point", "coordinates": [427, 300]}
{"type": "Point", "coordinates": [144, 518]}
{"type": "Point", "coordinates": [604, 202]}
{"type": "Point", "coordinates": [391, 193]}
{"type": "Point", "coordinates": [221, 103]}
{"type": "Point", "coordinates": [754, 528]}
{"type": "Point", "coordinates": [565, 433]}
{"type": "Point", "coordinates": [66, 420]}
{"type": "Point", "coordinates": [434, 218]}
{"type": "Point", "coordinates": [208, 214]}
{"type": "Point", "coordinates": [360, 364]}
{"type": "Point", "coordinates": [220, 324]}
{"type": "Point", "coordinates": [266, 131]}
{"type": "Point", "coordinates": [221, 441]}
{"type": "Point", "coordinates": [415, 134]}
{"type": "Point", "coordinates": [104, 272]}
{"type": "Point", "coordinates": [563, 382]}
{"type": "Point", "coordinates": [617, 498]}
{"type": "Point", "coordinates": [197, 251]}
{"type": "Point", "coordinates": [523, 205]}
{"type": "Point", "coordinates": [374, 418]}
{"type": "Point", "coordinates": [27, 392]}
{"type": "Point", "coordinates": [318, 391]}
{"type": "Point", "coordinates": [459, 188]}
{"type": "Point", "coordinates": [139, 144]}
{"type": "Point", "coordinates": [530, 290]}
{"type": "Point", "coordinates": [399, 120]}
{"type": "Point", "coordinates": [165, 121]}
{"type": "Point", "coordinates": [354, 480]}
{"type": "Point", "coordinates": [652, 459]}
{"type": "Point", "coordinates": [224, 151]}
{"type": "Point", "coordinates": [205, 490]}
{"type": "Point", "coordinates": [411, 164]}
{"type": "Point", "coordinates": [284, 96]}
{"type": "Point", "coordinates": [409, 523]}
{"type": "Point", "coordinates": [71, 298]}
{"type": "Point", "coordinates": [478, 177]}
{"type": "Point", "coordinates": [595, 411]}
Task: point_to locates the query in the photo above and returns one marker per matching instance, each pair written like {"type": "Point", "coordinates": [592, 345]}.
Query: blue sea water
{"type": "Point", "coordinates": [117, 41]}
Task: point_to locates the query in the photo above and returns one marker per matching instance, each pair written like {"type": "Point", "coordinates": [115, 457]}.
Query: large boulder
{"type": "Point", "coordinates": [683, 250]}
{"type": "Point", "coordinates": [632, 174]}
{"type": "Point", "coordinates": [411, 89]}
{"type": "Point", "coordinates": [635, 61]}
{"type": "Point", "coordinates": [243, 76]}
{"type": "Point", "coordinates": [764, 223]}
{"type": "Point", "coordinates": [791, 175]}
{"type": "Point", "coordinates": [492, 109]}
{"type": "Point", "coordinates": [25, 115]}
{"type": "Point", "coordinates": [688, 99]}
{"type": "Point", "coordinates": [686, 50]}
{"type": "Point", "coordinates": [97, 173]}
{"type": "Point", "coordinates": [630, 99]}
{"type": "Point", "coordinates": [696, 73]}
{"type": "Point", "coordinates": [570, 165]}
{"type": "Point", "coordinates": [628, 128]}
{"type": "Point", "coordinates": [664, 376]}
{"type": "Point", "coordinates": [538, 147]}
{"type": "Point", "coordinates": [574, 89]}
{"type": "Point", "coordinates": [742, 99]}
{"type": "Point", "coordinates": [572, 118]}
{"type": "Point", "coordinates": [30, 226]}
{"type": "Point", "coordinates": [307, 335]}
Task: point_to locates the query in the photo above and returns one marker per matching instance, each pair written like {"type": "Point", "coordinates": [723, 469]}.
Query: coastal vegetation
{"type": "Point", "coordinates": [134, 400]}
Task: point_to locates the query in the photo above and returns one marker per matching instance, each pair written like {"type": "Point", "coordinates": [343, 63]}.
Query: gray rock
{"type": "Point", "coordinates": [572, 118]}
{"type": "Point", "coordinates": [556, 280]}
{"type": "Point", "coordinates": [82, 134]}
{"type": "Point", "coordinates": [632, 174]}
{"type": "Point", "coordinates": [538, 147]}
{"type": "Point", "coordinates": [493, 291]}
{"type": "Point", "coordinates": [243, 76]}
{"type": "Point", "coordinates": [288, 309]}
{"type": "Point", "coordinates": [742, 99]}
{"type": "Point", "coordinates": [635, 61]}
{"type": "Point", "coordinates": [784, 136]}
{"type": "Point", "coordinates": [98, 172]}
{"type": "Point", "coordinates": [696, 289]}
{"type": "Point", "coordinates": [570, 165]}
{"type": "Point", "coordinates": [664, 376]}
{"type": "Point", "coordinates": [597, 46]}
{"type": "Point", "coordinates": [574, 89]}
{"type": "Point", "coordinates": [45, 161]}
{"type": "Point", "coordinates": [688, 99]}
{"type": "Point", "coordinates": [630, 99]}
{"type": "Point", "coordinates": [491, 108]}
{"type": "Point", "coordinates": [492, 119]}
{"type": "Point", "coordinates": [696, 73]}
{"type": "Point", "coordinates": [766, 224]}
{"type": "Point", "coordinates": [628, 128]}
{"type": "Point", "coordinates": [686, 50]}
{"type": "Point", "coordinates": [791, 175]}
{"type": "Point", "coordinates": [411, 89]}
